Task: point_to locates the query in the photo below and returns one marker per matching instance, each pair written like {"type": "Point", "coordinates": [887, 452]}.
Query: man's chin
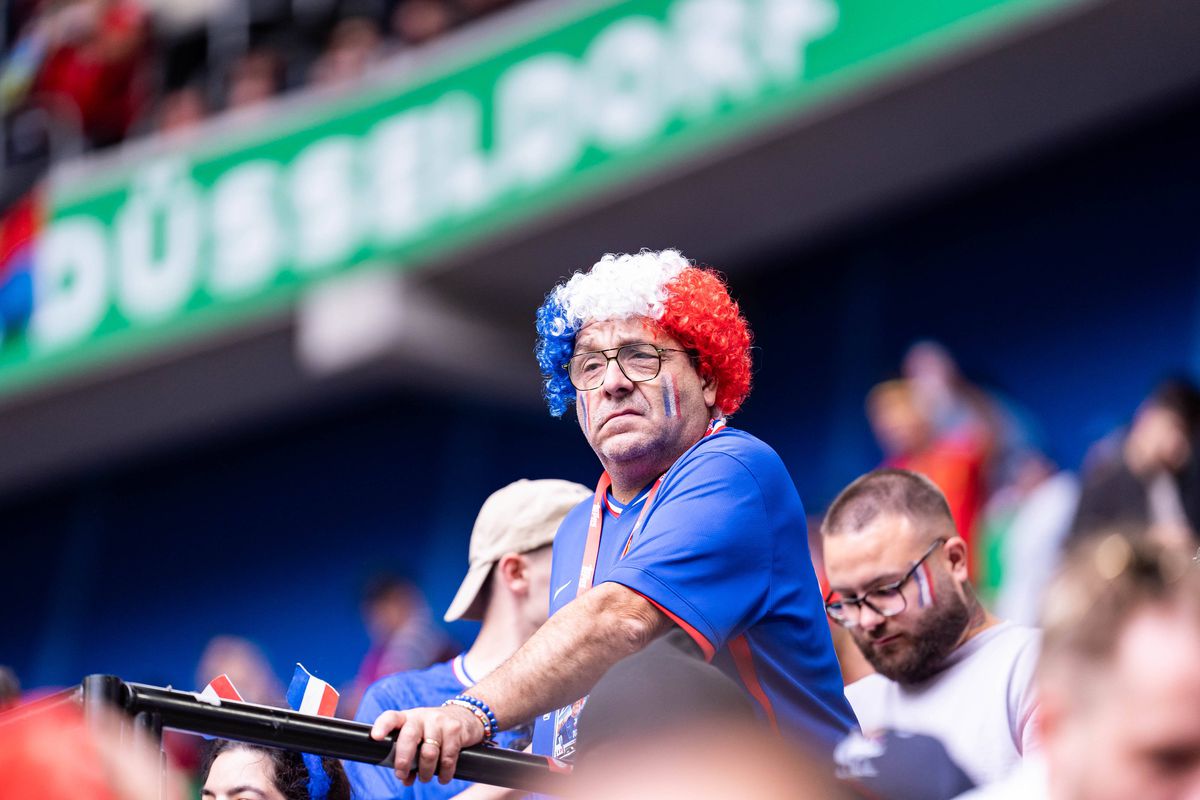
{"type": "Point", "coordinates": [889, 658]}
{"type": "Point", "coordinates": [625, 446]}
{"type": "Point", "coordinates": [902, 667]}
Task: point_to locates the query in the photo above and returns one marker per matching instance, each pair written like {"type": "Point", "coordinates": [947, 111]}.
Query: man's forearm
{"type": "Point", "coordinates": [571, 652]}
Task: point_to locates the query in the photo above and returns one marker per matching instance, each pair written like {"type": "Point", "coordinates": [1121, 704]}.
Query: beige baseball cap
{"type": "Point", "coordinates": [521, 517]}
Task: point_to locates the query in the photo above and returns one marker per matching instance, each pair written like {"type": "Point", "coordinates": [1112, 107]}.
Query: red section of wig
{"type": "Point", "coordinates": [701, 315]}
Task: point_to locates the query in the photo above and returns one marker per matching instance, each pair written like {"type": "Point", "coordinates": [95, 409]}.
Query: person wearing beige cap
{"type": "Point", "coordinates": [507, 589]}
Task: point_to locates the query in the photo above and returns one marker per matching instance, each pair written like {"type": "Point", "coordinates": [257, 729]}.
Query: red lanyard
{"type": "Point", "coordinates": [591, 549]}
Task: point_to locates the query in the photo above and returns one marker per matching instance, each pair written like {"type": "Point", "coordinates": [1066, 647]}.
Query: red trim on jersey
{"type": "Point", "coordinates": [743, 659]}
{"type": "Point", "coordinates": [612, 509]}
{"type": "Point", "coordinates": [705, 645]}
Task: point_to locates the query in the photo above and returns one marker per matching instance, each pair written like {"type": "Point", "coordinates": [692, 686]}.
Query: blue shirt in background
{"type": "Point", "coordinates": [415, 689]}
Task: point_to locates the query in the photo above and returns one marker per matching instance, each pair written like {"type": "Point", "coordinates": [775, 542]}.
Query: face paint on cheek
{"type": "Point", "coordinates": [670, 396]}
{"type": "Point", "coordinates": [925, 592]}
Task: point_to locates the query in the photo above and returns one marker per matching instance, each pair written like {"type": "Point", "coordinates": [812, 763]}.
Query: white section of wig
{"type": "Point", "coordinates": [620, 287]}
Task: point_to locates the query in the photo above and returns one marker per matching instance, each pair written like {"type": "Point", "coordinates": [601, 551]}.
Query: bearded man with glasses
{"type": "Point", "coordinates": [945, 667]}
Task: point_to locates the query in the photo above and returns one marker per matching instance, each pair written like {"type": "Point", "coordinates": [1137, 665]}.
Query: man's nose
{"type": "Point", "coordinates": [869, 618]}
{"type": "Point", "coordinates": [615, 381]}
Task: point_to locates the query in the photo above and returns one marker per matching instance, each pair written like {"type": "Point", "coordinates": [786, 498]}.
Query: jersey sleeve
{"type": "Point", "coordinates": [703, 555]}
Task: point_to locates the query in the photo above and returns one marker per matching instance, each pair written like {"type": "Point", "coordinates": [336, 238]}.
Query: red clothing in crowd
{"type": "Point", "coordinates": [98, 75]}
{"type": "Point", "coordinates": [955, 465]}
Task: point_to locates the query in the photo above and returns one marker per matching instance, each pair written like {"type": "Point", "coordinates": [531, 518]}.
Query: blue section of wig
{"type": "Point", "coordinates": [556, 342]}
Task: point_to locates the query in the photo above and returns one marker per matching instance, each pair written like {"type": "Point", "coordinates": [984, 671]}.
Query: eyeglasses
{"type": "Point", "coordinates": [886, 601]}
{"type": "Point", "coordinates": [637, 362]}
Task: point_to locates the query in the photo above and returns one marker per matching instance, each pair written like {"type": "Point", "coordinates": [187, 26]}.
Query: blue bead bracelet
{"type": "Point", "coordinates": [493, 727]}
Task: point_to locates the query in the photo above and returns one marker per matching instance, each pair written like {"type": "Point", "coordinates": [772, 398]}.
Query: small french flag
{"type": "Point", "coordinates": [221, 688]}
{"type": "Point", "coordinates": [309, 694]}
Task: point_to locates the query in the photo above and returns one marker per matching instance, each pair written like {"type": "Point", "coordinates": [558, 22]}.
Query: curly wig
{"type": "Point", "coordinates": [689, 303]}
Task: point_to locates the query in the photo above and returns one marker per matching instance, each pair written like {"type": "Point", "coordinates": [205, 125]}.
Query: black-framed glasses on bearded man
{"type": "Point", "coordinates": [886, 601]}
{"type": "Point", "coordinates": [638, 362]}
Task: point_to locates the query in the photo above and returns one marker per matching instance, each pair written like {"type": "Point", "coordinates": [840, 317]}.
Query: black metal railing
{"type": "Point", "coordinates": [155, 707]}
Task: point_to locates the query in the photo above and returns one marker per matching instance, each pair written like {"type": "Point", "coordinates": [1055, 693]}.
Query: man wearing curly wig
{"type": "Point", "coordinates": [695, 529]}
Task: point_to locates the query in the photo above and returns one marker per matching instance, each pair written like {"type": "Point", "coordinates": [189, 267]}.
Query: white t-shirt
{"type": "Point", "coordinates": [981, 705]}
{"type": "Point", "coordinates": [1026, 782]}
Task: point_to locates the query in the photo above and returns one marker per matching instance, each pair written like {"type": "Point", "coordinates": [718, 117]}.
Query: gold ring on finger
{"type": "Point", "coordinates": [433, 742]}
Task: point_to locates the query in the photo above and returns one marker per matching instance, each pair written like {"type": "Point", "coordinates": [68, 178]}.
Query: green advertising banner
{"type": "Point", "coordinates": [136, 256]}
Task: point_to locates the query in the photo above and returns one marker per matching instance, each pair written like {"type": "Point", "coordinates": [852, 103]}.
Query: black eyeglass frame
{"type": "Point", "coordinates": [894, 586]}
{"type": "Point", "coordinates": [617, 357]}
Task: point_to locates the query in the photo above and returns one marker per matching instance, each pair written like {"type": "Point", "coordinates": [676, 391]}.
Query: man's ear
{"type": "Point", "coordinates": [958, 558]}
{"type": "Point", "coordinates": [709, 387]}
{"type": "Point", "coordinates": [513, 570]}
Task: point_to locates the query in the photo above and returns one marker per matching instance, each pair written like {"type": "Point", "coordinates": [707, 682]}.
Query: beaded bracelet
{"type": "Point", "coordinates": [494, 725]}
{"type": "Point", "coordinates": [482, 706]}
{"type": "Point", "coordinates": [479, 715]}
{"type": "Point", "coordinates": [481, 710]}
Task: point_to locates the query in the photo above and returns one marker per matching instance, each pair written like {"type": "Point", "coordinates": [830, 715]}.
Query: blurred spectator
{"type": "Point", "coordinates": [245, 665]}
{"type": "Point", "coordinates": [181, 109]}
{"type": "Point", "coordinates": [1118, 681]}
{"type": "Point", "coordinates": [715, 760]}
{"type": "Point", "coordinates": [248, 669]}
{"type": "Point", "coordinates": [477, 8]}
{"type": "Point", "coordinates": [953, 405]}
{"type": "Point", "coordinates": [1150, 477]}
{"type": "Point", "coordinates": [909, 440]}
{"type": "Point", "coordinates": [507, 587]}
{"type": "Point", "coordinates": [10, 688]}
{"type": "Point", "coordinates": [959, 409]}
{"type": "Point", "coordinates": [417, 21]}
{"type": "Point", "coordinates": [93, 72]}
{"type": "Point", "coordinates": [254, 77]}
{"type": "Point", "coordinates": [109, 69]}
{"type": "Point", "coordinates": [895, 765]}
{"type": "Point", "coordinates": [354, 45]}
{"type": "Point", "coordinates": [55, 754]}
{"type": "Point", "coordinates": [233, 770]}
{"type": "Point", "coordinates": [403, 634]}
{"type": "Point", "coordinates": [665, 688]}
{"type": "Point", "coordinates": [1025, 526]}
{"type": "Point", "coordinates": [945, 667]}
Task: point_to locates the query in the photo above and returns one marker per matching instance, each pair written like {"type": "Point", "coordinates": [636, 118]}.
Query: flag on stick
{"type": "Point", "coordinates": [221, 688]}
{"type": "Point", "coordinates": [309, 694]}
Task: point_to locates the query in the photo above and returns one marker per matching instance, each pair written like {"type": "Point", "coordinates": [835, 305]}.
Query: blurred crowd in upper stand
{"type": "Point", "coordinates": [81, 75]}
{"type": "Point", "coordinates": [1018, 510]}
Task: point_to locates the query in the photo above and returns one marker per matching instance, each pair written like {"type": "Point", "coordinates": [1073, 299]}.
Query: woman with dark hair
{"type": "Point", "coordinates": [243, 771]}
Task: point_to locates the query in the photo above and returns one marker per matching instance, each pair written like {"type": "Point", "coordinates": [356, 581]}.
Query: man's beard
{"type": "Point", "coordinates": [928, 645]}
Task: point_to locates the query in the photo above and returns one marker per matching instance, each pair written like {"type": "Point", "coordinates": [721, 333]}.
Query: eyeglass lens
{"type": "Point", "coordinates": [638, 362]}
